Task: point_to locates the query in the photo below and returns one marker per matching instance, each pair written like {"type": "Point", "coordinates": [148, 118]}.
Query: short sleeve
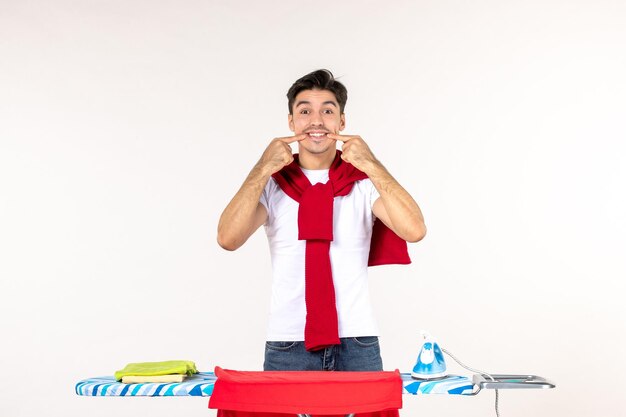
{"type": "Point", "coordinates": [266, 195]}
{"type": "Point", "coordinates": [374, 195]}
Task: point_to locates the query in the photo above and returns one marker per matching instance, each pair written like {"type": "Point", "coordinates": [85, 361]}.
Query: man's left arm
{"type": "Point", "coordinates": [395, 207]}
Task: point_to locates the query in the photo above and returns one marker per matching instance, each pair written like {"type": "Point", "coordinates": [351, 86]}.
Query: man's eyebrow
{"type": "Point", "coordinates": [308, 102]}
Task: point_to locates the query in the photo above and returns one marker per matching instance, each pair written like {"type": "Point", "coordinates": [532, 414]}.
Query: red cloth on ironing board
{"type": "Point", "coordinates": [315, 225]}
{"type": "Point", "coordinates": [285, 393]}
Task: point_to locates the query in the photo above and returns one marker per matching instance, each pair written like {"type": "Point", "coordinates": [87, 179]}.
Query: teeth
{"type": "Point", "coordinates": [317, 135]}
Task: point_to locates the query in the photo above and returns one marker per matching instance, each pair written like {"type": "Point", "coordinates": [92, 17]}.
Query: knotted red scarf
{"type": "Point", "coordinates": [315, 225]}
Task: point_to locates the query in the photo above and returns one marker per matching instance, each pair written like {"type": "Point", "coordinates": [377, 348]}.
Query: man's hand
{"type": "Point", "coordinates": [278, 153]}
{"type": "Point", "coordinates": [355, 151]}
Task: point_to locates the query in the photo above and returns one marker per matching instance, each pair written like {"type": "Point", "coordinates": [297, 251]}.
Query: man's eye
{"type": "Point", "coordinates": [328, 111]}
{"type": "Point", "coordinates": [304, 112]}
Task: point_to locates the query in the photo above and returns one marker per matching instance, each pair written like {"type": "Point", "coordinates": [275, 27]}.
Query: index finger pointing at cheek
{"type": "Point", "coordinates": [341, 138]}
{"type": "Point", "coordinates": [292, 139]}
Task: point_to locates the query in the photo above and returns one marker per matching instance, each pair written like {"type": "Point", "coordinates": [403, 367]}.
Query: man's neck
{"type": "Point", "coordinates": [317, 161]}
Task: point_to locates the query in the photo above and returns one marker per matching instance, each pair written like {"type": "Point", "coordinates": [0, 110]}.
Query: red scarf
{"type": "Point", "coordinates": [315, 225]}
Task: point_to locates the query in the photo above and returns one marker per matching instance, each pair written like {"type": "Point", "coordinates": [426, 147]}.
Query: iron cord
{"type": "Point", "coordinates": [475, 371]}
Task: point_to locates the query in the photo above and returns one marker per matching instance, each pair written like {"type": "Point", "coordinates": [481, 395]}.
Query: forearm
{"type": "Point", "coordinates": [238, 221]}
{"type": "Point", "coordinates": [404, 215]}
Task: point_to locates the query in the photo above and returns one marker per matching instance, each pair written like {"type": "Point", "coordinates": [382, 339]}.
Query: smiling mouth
{"type": "Point", "coordinates": [317, 135]}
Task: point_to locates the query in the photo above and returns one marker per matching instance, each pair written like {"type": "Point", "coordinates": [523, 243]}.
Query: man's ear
{"type": "Point", "coordinates": [342, 122]}
{"type": "Point", "coordinates": [292, 127]}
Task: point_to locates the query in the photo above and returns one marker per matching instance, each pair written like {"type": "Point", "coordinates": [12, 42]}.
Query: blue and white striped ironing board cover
{"type": "Point", "coordinates": [201, 385]}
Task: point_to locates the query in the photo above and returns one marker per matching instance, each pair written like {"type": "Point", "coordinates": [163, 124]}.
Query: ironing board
{"type": "Point", "coordinates": [201, 385]}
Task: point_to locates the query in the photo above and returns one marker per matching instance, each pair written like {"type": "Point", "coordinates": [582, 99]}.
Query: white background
{"type": "Point", "coordinates": [126, 127]}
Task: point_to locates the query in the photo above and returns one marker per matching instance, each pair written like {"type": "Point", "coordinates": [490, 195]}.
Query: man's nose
{"type": "Point", "coordinates": [316, 119]}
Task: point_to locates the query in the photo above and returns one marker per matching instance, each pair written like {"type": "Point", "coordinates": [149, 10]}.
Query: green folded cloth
{"type": "Point", "coordinates": [157, 368]}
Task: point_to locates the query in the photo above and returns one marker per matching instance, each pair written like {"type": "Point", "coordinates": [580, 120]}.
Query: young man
{"type": "Point", "coordinates": [319, 209]}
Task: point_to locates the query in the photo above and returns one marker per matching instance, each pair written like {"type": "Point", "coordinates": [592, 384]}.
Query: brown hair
{"type": "Point", "coordinates": [318, 80]}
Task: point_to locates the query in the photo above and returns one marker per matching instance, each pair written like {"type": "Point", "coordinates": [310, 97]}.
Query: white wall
{"type": "Point", "coordinates": [126, 127]}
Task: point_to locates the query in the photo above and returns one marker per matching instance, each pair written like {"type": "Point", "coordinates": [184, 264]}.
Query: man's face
{"type": "Point", "coordinates": [316, 112]}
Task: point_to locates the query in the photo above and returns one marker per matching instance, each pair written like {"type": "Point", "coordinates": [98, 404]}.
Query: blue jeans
{"type": "Point", "coordinates": [353, 354]}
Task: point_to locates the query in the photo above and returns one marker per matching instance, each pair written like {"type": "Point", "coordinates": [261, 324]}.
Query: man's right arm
{"type": "Point", "coordinates": [245, 214]}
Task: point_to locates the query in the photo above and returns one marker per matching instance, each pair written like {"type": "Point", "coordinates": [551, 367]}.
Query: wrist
{"type": "Point", "coordinates": [261, 172]}
{"type": "Point", "coordinates": [374, 168]}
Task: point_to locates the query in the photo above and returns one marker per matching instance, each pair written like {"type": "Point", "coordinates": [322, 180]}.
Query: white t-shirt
{"type": "Point", "coordinates": [349, 251]}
